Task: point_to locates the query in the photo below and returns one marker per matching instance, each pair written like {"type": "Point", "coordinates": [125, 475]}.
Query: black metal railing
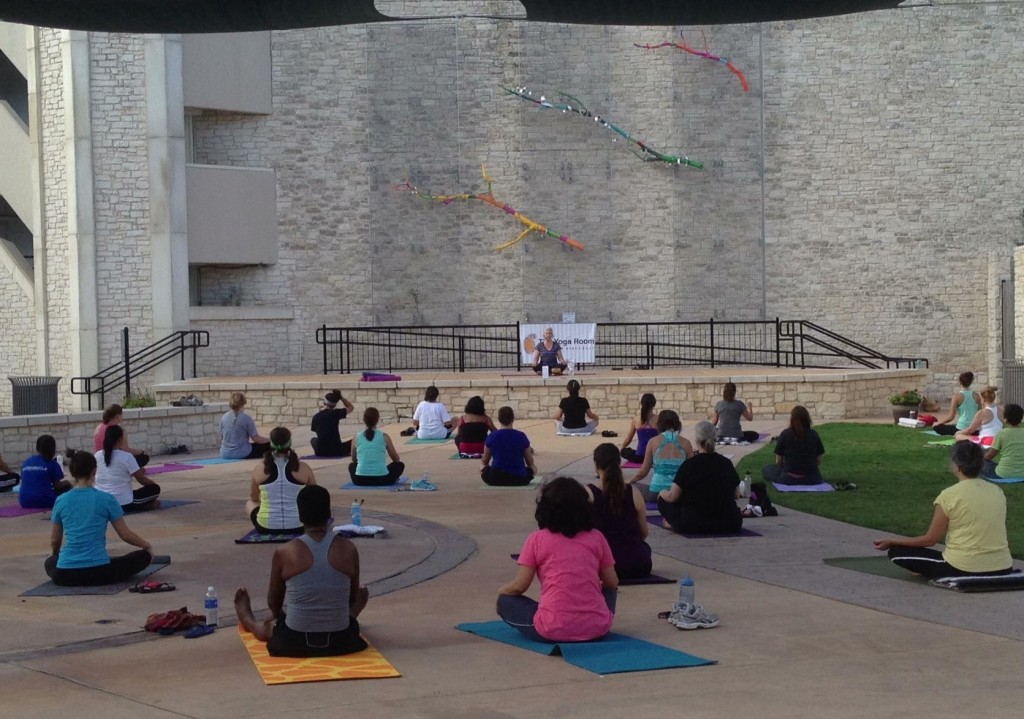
{"type": "Point", "coordinates": [133, 364]}
{"type": "Point", "coordinates": [770, 343]}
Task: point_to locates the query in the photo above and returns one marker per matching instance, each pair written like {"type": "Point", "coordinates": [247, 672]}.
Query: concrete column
{"type": "Point", "coordinates": [1000, 267]}
{"type": "Point", "coordinates": [35, 131]}
{"type": "Point", "coordinates": [81, 216]}
{"type": "Point", "coordinates": [168, 218]}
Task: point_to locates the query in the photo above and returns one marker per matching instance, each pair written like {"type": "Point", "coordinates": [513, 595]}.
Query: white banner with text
{"type": "Point", "coordinates": [576, 340]}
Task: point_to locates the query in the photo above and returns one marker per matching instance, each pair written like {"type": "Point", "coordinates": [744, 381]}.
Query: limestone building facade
{"type": "Point", "coordinates": [870, 180]}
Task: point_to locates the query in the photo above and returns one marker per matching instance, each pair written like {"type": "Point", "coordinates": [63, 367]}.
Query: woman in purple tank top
{"type": "Point", "coordinates": [620, 515]}
{"type": "Point", "coordinates": [645, 429]}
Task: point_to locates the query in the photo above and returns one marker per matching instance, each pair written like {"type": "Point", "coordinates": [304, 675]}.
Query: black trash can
{"type": "Point", "coordinates": [34, 395]}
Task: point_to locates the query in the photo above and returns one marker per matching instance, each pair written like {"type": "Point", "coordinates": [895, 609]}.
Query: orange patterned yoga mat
{"type": "Point", "coordinates": [367, 664]}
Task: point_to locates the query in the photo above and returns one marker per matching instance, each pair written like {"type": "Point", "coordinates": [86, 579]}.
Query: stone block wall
{"type": "Point", "coordinates": [151, 429]}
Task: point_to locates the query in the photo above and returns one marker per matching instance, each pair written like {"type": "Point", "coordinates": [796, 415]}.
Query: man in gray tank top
{"type": "Point", "coordinates": [318, 573]}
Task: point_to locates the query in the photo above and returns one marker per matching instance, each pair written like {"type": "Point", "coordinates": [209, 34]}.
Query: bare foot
{"type": "Point", "coordinates": [243, 609]}
{"type": "Point", "coordinates": [666, 525]}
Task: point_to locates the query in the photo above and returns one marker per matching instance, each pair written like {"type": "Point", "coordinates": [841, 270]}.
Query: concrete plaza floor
{"type": "Point", "coordinates": [797, 639]}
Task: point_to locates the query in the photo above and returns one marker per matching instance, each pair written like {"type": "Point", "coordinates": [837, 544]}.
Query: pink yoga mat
{"type": "Point", "coordinates": [631, 465]}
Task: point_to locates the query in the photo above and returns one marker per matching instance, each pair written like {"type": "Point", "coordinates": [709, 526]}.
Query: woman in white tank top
{"type": "Point", "coordinates": [986, 423]}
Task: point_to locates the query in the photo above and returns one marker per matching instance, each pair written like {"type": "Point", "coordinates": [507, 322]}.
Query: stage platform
{"type": "Point", "coordinates": [829, 394]}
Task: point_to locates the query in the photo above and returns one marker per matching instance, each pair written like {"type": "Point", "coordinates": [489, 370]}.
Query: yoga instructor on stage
{"type": "Point", "coordinates": [548, 353]}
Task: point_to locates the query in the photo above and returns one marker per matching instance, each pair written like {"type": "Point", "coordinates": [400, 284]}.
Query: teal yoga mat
{"type": "Point", "coordinates": [213, 460]}
{"type": "Point", "coordinates": [388, 487]}
{"type": "Point", "coordinates": [1004, 480]}
{"type": "Point", "coordinates": [615, 654]}
{"type": "Point", "coordinates": [417, 440]}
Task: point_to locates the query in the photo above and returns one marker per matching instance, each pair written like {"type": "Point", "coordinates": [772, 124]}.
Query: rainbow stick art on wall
{"type": "Point", "coordinates": [489, 198]}
{"type": "Point", "coordinates": [573, 105]}
{"type": "Point", "coordinates": [706, 54]}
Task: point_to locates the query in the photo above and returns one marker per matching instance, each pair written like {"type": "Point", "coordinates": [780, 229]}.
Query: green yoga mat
{"type": "Point", "coordinates": [942, 442]}
{"type": "Point", "coordinates": [879, 565]}
{"type": "Point", "coordinates": [417, 440]}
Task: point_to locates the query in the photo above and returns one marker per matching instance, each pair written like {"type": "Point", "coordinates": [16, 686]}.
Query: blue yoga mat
{"type": "Point", "coordinates": [387, 487]}
{"type": "Point", "coordinates": [822, 487]}
{"type": "Point", "coordinates": [1004, 480]}
{"type": "Point", "coordinates": [614, 654]}
{"type": "Point", "coordinates": [213, 460]}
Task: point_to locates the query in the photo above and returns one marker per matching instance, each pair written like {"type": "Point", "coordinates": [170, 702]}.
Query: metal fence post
{"type": "Point", "coordinates": [516, 360]}
{"type": "Point", "coordinates": [711, 325]}
{"type": "Point", "coordinates": [778, 342]}
{"type": "Point", "coordinates": [127, 362]}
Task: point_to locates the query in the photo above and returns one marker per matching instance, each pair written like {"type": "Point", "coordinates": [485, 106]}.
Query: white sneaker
{"type": "Point", "coordinates": [685, 616]}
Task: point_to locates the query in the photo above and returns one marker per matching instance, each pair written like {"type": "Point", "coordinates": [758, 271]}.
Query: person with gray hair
{"type": "Point", "coordinates": [702, 498]}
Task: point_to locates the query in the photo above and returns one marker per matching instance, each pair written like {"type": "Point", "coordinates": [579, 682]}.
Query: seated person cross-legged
{"type": "Point", "coordinates": [314, 593]}
{"type": "Point", "coordinates": [970, 517]}
{"type": "Point", "coordinates": [798, 452]}
{"type": "Point", "coordinates": [727, 415]}
{"type": "Point", "coordinates": [508, 457]}
{"type": "Point", "coordinates": [702, 498]}
{"type": "Point", "coordinates": [574, 415]}
{"type": "Point", "coordinates": [276, 483]}
{"type": "Point", "coordinates": [644, 427]}
{"type": "Point", "coordinates": [665, 454]}
{"type": "Point", "coordinates": [963, 406]}
{"type": "Point", "coordinates": [42, 478]}
{"type": "Point", "coordinates": [371, 449]}
{"type": "Point", "coordinates": [576, 570]}
{"type": "Point", "coordinates": [620, 515]}
{"type": "Point", "coordinates": [238, 436]}
{"type": "Point", "coordinates": [1005, 459]}
{"type": "Point", "coordinates": [548, 353]}
{"type": "Point", "coordinates": [114, 414]}
{"type": "Point", "coordinates": [431, 419]}
{"type": "Point", "coordinates": [327, 442]}
{"type": "Point", "coordinates": [473, 427]}
{"type": "Point", "coordinates": [985, 423]}
{"type": "Point", "coordinates": [117, 469]}
{"type": "Point", "coordinates": [78, 539]}
{"type": "Point", "coordinates": [8, 478]}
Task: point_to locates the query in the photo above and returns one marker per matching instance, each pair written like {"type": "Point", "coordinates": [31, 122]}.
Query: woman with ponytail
{"type": "Point", "coordinates": [645, 427]}
{"type": "Point", "coordinates": [371, 449]}
{"type": "Point", "coordinates": [116, 469]}
{"type": "Point", "coordinates": [620, 515]}
{"type": "Point", "coordinates": [574, 415]}
{"type": "Point", "coordinates": [276, 482]}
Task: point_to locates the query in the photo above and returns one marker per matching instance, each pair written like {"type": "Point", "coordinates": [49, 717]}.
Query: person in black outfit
{"type": "Point", "coordinates": [327, 442]}
{"type": "Point", "coordinates": [702, 498]}
{"type": "Point", "coordinates": [798, 452]}
{"type": "Point", "coordinates": [574, 412]}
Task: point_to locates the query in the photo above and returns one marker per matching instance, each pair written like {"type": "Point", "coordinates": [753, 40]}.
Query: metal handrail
{"type": "Point", "coordinates": [134, 364]}
{"type": "Point", "coordinates": [776, 343]}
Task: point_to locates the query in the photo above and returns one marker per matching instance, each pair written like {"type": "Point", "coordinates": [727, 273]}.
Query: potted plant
{"type": "Point", "coordinates": [905, 404]}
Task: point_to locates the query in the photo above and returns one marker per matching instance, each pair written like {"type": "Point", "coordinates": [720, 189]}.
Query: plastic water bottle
{"type": "Point", "coordinates": [745, 487]}
{"type": "Point", "coordinates": [572, 368]}
{"type": "Point", "coordinates": [210, 606]}
{"type": "Point", "coordinates": [357, 512]}
{"type": "Point", "coordinates": [686, 591]}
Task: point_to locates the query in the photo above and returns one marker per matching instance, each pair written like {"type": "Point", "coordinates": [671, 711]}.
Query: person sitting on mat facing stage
{"type": "Point", "coordinates": [314, 595]}
{"type": "Point", "coordinates": [370, 451]}
{"type": "Point", "coordinates": [8, 478]}
{"type": "Point", "coordinates": [574, 412]}
{"type": "Point", "coordinates": [236, 431]}
{"type": "Point", "coordinates": [508, 457]}
{"type": "Point", "coordinates": [986, 423]}
{"type": "Point", "coordinates": [114, 414]}
{"type": "Point", "coordinates": [431, 419]}
{"type": "Point", "coordinates": [327, 442]}
{"type": "Point", "coordinates": [471, 431]}
{"type": "Point", "coordinates": [1006, 456]}
{"type": "Point", "coordinates": [702, 498]}
{"type": "Point", "coordinates": [644, 426]}
{"type": "Point", "coordinates": [117, 469]}
{"type": "Point", "coordinates": [576, 570]}
{"type": "Point", "coordinates": [276, 482]}
{"type": "Point", "coordinates": [970, 517]}
{"type": "Point", "coordinates": [620, 515]}
{"type": "Point", "coordinates": [798, 452]}
{"type": "Point", "coordinates": [78, 540]}
{"type": "Point", "coordinates": [964, 404]}
{"type": "Point", "coordinates": [727, 415]}
{"type": "Point", "coordinates": [548, 353]}
{"type": "Point", "coordinates": [665, 454]}
{"type": "Point", "coordinates": [42, 477]}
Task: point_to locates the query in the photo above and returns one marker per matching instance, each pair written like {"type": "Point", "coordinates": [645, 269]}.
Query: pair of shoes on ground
{"type": "Point", "coordinates": [609, 433]}
{"type": "Point", "coordinates": [422, 485]}
{"type": "Point", "coordinates": [692, 616]}
{"type": "Point", "coordinates": [179, 449]}
{"type": "Point", "coordinates": [173, 621]}
{"type": "Point", "coordinates": [188, 401]}
{"type": "Point", "coordinates": [151, 587]}
{"type": "Point", "coordinates": [843, 486]}
{"type": "Point", "coordinates": [409, 432]}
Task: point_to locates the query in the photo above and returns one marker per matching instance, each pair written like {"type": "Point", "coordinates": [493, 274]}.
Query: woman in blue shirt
{"type": "Point", "coordinates": [79, 536]}
{"type": "Point", "coordinates": [42, 478]}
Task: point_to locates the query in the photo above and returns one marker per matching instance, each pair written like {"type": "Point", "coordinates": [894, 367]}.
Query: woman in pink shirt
{"type": "Point", "coordinates": [576, 570]}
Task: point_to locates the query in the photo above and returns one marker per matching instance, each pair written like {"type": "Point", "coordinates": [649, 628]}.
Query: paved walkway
{"type": "Point", "coordinates": [798, 638]}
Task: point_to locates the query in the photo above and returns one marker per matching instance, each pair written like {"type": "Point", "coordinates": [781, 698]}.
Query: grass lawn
{"type": "Point", "coordinates": [897, 478]}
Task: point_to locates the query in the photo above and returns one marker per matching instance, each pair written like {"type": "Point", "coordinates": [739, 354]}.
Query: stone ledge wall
{"type": "Point", "coordinates": [828, 396]}
{"type": "Point", "coordinates": [152, 429]}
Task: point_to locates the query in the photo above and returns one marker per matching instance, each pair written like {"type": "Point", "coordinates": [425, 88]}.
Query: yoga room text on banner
{"type": "Point", "coordinates": [577, 340]}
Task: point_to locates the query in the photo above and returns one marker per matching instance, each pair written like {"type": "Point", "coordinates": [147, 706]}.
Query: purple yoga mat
{"type": "Point", "coordinates": [631, 465]}
{"type": "Point", "coordinates": [171, 467]}
{"type": "Point", "coordinates": [823, 487]}
{"type": "Point", "coordinates": [655, 521]}
{"type": "Point", "coordinates": [380, 377]}
{"type": "Point", "coordinates": [16, 510]}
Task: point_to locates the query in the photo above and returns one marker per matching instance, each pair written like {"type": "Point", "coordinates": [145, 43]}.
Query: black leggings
{"type": "Point", "coordinates": [395, 470]}
{"type": "Point", "coordinates": [630, 455]}
{"type": "Point", "coordinates": [143, 498]}
{"type": "Point", "coordinates": [286, 642]}
{"type": "Point", "coordinates": [500, 478]}
{"type": "Point", "coordinates": [258, 449]}
{"type": "Point", "coordinates": [119, 569]}
{"type": "Point", "coordinates": [323, 449]}
{"type": "Point", "coordinates": [685, 522]}
{"type": "Point", "coordinates": [930, 563]}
